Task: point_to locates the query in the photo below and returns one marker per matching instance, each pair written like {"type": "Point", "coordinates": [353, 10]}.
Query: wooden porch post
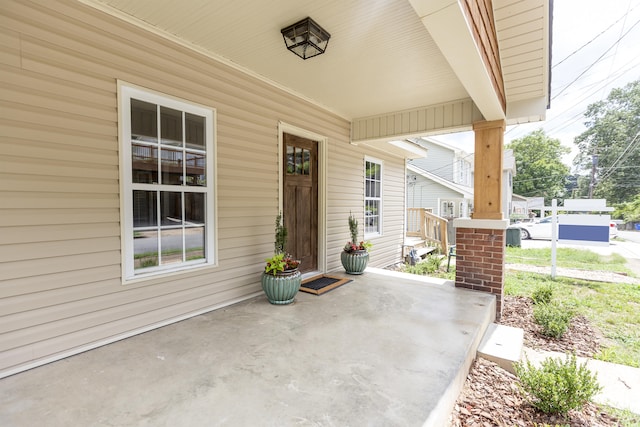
{"type": "Point", "coordinates": [487, 180]}
{"type": "Point", "coordinates": [480, 241]}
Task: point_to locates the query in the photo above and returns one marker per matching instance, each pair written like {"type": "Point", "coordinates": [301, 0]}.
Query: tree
{"type": "Point", "coordinates": [539, 168]}
{"type": "Point", "coordinates": [629, 211]}
{"type": "Point", "coordinates": [609, 150]}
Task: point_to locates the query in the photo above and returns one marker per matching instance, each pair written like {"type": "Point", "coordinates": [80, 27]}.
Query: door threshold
{"type": "Point", "coordinates": [310, 274]}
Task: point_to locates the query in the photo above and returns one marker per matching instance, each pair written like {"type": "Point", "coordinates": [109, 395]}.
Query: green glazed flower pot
{"type": "Point", "coordinates": [354, 262]}
{"type": "Point", "coordinates": [282, 288]}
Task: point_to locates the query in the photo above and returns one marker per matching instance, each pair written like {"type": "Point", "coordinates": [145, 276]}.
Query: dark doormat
{"type": "Point", "coordinates": [318, 285]}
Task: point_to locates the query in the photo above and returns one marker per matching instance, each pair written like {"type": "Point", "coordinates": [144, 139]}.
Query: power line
{"type": "Point", "coordinates": [615, 53]}
{"type": "Point", "coordinates": [597, 60]}
{"type": "Point", "coordinates": [600, 85]}
{"type": "Point", "coordinates": [627, 148]}
{"type": "Point", "coordinates": [593, 39]}
{"type": "Point", "coordinates": [619, 167]}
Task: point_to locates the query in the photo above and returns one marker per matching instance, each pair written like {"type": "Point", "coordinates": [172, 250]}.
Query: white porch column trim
{"type": "Point", "coordinates": [485, 224]}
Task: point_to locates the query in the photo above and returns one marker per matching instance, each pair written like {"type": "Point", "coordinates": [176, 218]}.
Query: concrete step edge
{"type": "Point", "coordinates": [502, 345]}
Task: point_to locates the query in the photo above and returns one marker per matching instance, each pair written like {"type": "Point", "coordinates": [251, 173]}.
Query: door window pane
{"type": "Point", "coordinates": [306, 160]}
{"type": "Point", "coordinates": [291, 160]}
{"type": "Point", "coordinates": [298, 161]}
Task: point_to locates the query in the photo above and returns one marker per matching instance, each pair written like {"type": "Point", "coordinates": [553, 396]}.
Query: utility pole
{"type": "Point", "coordinates": [594, 166]}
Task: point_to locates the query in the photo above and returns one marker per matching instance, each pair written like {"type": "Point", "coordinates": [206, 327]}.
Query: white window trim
{"type": "Point", "coordinates": [380, 215]}
{"type": "Point", "coordinates": [127, 91]}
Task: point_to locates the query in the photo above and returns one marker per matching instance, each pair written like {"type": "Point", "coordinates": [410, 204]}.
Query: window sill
{"type": "Point", "coordinates": [166, 274]}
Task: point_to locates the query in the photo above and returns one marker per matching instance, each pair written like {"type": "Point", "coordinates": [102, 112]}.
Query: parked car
{"type": "Point", "coordinates": [542, 229]}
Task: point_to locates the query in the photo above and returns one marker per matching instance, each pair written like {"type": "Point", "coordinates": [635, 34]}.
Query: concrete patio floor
{"type": "Point", "coordinates": [387, 349]}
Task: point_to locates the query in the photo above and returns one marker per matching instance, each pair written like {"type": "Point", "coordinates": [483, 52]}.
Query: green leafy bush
{"type": "Point", "coordinates": [430, 265]}
{"type": "Point", "coordinates": [553, 318]}
{"type": "Point", "coordinates": [557, 386]}
{"type": "Point", "coordinates": [542, 294]}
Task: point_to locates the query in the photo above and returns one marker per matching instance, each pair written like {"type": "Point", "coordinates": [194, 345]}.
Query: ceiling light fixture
{"type": "Point", "coordinates": [306, 38]}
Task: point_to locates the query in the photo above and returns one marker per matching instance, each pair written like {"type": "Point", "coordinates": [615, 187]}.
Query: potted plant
{"type": "Point", "coordinates": [355, 254]}
{"type": "Point", "coordinates": [281, 278]}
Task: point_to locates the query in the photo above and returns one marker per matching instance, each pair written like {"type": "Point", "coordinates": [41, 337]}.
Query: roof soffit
{"type": "Point", "coordinates": [380, 58]}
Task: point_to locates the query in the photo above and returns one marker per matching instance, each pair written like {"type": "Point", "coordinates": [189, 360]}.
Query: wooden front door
{"type": "Point", "coordinates": [300, 204]}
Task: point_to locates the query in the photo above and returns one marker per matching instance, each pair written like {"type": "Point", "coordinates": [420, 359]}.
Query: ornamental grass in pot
{"type": "Point", "coordinates": [281, 278]}
{"type": "Point", "coordinates": [355, 254]}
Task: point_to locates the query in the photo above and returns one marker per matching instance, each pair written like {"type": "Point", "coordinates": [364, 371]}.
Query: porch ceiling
{"type": "Point", "coordinates": [381, 57]}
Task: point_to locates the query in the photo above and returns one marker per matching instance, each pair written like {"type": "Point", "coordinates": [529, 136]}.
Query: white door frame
{"type": "Point", "coordinates": [323, 143]}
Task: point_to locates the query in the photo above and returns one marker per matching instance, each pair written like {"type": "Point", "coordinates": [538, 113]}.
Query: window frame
{"type": "Point", "coordinates": [369, 234]}
{"type": "Point", "coordinates": [127, 92]}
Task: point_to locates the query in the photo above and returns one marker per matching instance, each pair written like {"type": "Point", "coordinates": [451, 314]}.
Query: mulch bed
{"type": "Point", "coordinates": [581, 338]}
{"type": "Point", "coordinates": [491, 397]}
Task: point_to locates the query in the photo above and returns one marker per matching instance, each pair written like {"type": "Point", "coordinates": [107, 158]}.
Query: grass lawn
{"type": "Point", "coordinates": [613, 308]}
{"type": "Point", "coordinates": [568, 258]}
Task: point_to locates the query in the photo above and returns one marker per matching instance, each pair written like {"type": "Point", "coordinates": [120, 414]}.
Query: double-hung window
{"type": "Point", "coordinates": [167, 183]}
{"type": "Point", "coordinates": [372, 197]}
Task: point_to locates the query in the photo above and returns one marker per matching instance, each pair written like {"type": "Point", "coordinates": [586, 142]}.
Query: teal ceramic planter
{"type": "Point", "coordinates": [354, 262]}
{"type": "Point", "coordinates": [282, 288]}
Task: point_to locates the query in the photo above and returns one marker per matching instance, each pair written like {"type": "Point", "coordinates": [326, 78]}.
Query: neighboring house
{"type": "Point", "coordinates": [446, 161]}
{"type": "Point", "coordinates": [508, 172]}
{"type": "Point", "coordinates": [519, 207]}
{"type": "Point", "coordinates": [443, 180]}
{"type": "Point", "coordinates": [443, 197]}
{"type": "Point", "coordinates": [524, 207]}
{"type": "Point", "coordinates": [148, 147]}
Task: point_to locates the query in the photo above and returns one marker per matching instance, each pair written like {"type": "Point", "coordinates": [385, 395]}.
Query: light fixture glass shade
{"type": "Point", "coordinates": [305, 38]}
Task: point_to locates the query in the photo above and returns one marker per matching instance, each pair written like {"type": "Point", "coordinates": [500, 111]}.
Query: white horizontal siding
{"type": "Point", "coordinates": [426, 193]}
{"type": "Point", "coordinates": [346, 195]}
{"type": "Point", "coordinates": [439, 161]}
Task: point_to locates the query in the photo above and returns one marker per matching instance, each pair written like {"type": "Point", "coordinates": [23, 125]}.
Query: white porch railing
{"type": "Point", "coordinates": [427, 226]}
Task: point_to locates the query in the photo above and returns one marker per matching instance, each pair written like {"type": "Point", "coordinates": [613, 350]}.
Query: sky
{"type": "Point", "coordinates": [596, 48]}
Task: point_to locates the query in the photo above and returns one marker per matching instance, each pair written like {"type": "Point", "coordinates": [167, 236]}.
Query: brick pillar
{"type": "Point", "coordinates": [480, 242]}
{"type": "Point", "coordinates": [480, 250]}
